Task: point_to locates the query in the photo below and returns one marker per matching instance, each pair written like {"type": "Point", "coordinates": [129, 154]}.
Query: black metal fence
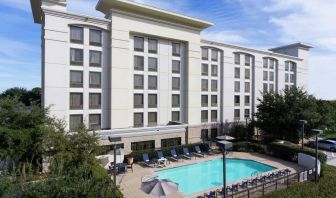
{"type": "Point", "coordinates": [263, 188]}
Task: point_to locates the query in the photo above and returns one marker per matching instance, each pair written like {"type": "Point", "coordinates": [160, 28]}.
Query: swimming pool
{"type": "Point", "coordinates": [209, 174]}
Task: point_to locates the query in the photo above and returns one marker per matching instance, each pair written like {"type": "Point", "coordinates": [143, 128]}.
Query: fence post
{"type": "Point", "coordinates": [287, 180]}
{"type": "Point", "coordinates": [248, 192]}
{"type": "Point", "coordinates": [263, 189]}
{"type": "Point", "coordinates": [276, 184]}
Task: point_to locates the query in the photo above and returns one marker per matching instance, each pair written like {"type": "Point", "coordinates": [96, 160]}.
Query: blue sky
{"type": "Point", "coordinates": [261, 24]}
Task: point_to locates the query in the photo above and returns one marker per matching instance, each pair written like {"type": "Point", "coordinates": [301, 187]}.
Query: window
{"type": "Point", "coordinates": [204, 101]}
{"type": "Point", "coordinates": [138, 120]}
{"type": "Point", "coordinates": [95, 58]}
{"type": "Point", "coordinates": [176, 69]}
{"type": "Point", "coordinates": [247, 74]}
{"type": "Point", "coordinates": [138, 81]}
{"type": "Point", "coordinates": [138, 101]}
{"type": "Point", "coordinates": [214, 55]}
{"type": "Point", "coordinates": [175, 100]}
{"type": "Point", "coordinates": [265, 75]}
{"type": "Point", "coordinates": [205, 86]}
{"type": "Point", "coordinates": [94, 122]}
{"type": "Point", "coordinates": [214, 70]}
{"type": "Point", "coordinates": [286, 77]}
{"type": "Point", "coordinates": [152, 119]}
{"type": "Point", "coordinates": [265, 63]}
{"type": "Point", "coordinates": [237, 86]}
{"type": "Point", "coordinates": [292, 66]}
{"type": "Point", "coordinates": [152, 46]}
{"type": "Point", "coordinates": [237, 114]}
{"type": "Point", "coordinates": [214, 133]}
{"type": "Point", "coordinates": [271, 76]}
{"type": "Point", "coordinates": [213, 115]}
{"type": "Point", "coordinates": [152, 82]}
{"type": "Point", "coordinates": [286, 66]}
{"type": "Point", "coordinates": [139, 63]}
{"type": "Point", "coordinates": [138, 44]}
{"type": "Point", "coordinates": [176, 83]}
{"type": "Point", "coordinates": [247, 87]}
{"type": "Point", "coordinates": [95, 80]}
{"type": "Point", "coordinates": [247, 60]}
{"type": "Point", "coordinates": [95, 37]}
{"type": "Point", "coordinates": [176, 116]}
{"type": "Point", "coordinates": [152, 100]}
{"type": "Point", "coordinates": [247, 113]}
{"type": "Point", "coordinates": [237, 72]}
{"type": "Point", "coordinates": [152, 64]}
{"type": "Point", "coordinates": [205, 134]}
{"type": "Point", "coordinates": [292, 78]}
{"type": "Point", "coordinates": [75, 122]}
{"type": "Point", "coordinates": [247, 100]}
{"type": "Point", "coordinates": [171, 142]}
{"type": "Point", "coordinates": [94, 100]}
{"type": "Point", "coordinates": [214, 101]}
{"type": "Point", "coordinates": [204, 116]}
{"type": "Point", "coordinates": [76, 79]}
{"type": "Point", "coordinates": [265, 87]}
{"type": "Point", "coordinates": [76, 101]}
{"type": "Point", "coordinates": [237, 59]}
{"type": "Point", "coordinates": [214, 85]}
{"type": "Point", "coordinates": [272, 63]}
{"type": "Point", "coordinates": [176, 49]}
{"type": "Point", "coordinates": [271, 87]}
{"type": "Point", "coordinates": [76, 56]}
{"type": "Point", "coordinates": [237, 100]}
{"type": "Point", "coordinates": [205, 54]}
{"type": "Point", "coordinates": [205, 69]}
{"type": "Point", "coordinates": [140, 146]}
{"type": "Point", "coordinates": [76, 34]}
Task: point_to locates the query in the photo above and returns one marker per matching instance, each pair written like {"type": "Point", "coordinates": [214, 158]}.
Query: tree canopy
{"type": "Point", "coordinates": [27, 97]}
{"type": "Point", "coordinates": [278, 114]}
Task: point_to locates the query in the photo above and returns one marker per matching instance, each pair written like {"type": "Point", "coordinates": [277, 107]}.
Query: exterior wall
{"type": "Point", "coordinates": [117, 70]}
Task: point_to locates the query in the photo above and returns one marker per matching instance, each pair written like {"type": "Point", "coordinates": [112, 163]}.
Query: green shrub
{"type": "Point", "coordinates": [248, 147]}
{"type": "Point", "coordinates": [290, 152]}
{"type": "Point", "coordinates": [137, 155]}
{"type": "Point", "coordinates": [325, 188]}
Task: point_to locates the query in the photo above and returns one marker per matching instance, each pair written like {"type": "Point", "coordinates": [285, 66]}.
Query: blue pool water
{"type": "Point", "coordinates": [204, 175]}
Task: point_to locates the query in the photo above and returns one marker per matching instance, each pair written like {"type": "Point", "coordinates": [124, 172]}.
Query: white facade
{"type": "Point", "coordinates": [196, 106]}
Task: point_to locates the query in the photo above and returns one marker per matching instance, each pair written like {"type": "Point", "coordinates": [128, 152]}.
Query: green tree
{"type": "Point", "coordinates": [278, 114]}
{"type": "Point", "coordinates": [27, 97]}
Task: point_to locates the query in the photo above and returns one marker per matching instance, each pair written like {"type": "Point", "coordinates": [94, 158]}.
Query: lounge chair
{"type": "Point", "coordinates": [243, 185]}
{"type": "Point", "coordinates": [198, 151]}
{"type": "Point", "coordinates": [208, 150]}
{"type": "Point", "coordinates": [161, 159]}
{"type": "Point", "coordinates": [147, 161]}
{"type": "Point", "coordinates": [211, 194]}
{"type": "Point", "coordinates": [187, 154]}
{"type": "Point", "coordinates": [174, 155]}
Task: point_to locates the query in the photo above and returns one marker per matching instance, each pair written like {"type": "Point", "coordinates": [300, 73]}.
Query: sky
{"type": "Point", "coordinates": [261, 24]}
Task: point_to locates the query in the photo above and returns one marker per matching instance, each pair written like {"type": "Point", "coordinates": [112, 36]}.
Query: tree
{"type": "Point", "coordinates": [27, 97]}
{"type": "Point", "coordinates": [278, 114]}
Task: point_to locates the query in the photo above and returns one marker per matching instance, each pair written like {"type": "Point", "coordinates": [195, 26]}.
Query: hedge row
{"type": "Point", "coordinates": [137, 155]}
{"type": "Point", "coordinates": [279, 150]}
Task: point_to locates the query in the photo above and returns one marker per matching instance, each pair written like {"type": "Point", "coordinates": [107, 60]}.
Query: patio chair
{"type": "Point", "coordinates": [211, 194]}
{"type": "Point", "coordinates": [147, 161]}
{"type": "Point", "coordinates": [198, 152]}
{"type": "Point", "coordinates": [187, 154]}
{"type": "Point", "coordinates": [161, 159]}
{"type": "Point", "coordinates": [253, 182]}
{"type": "Point", "coordinates": [209, 150]}
{"type": "Point", "coordinates": [174, 155]}
{"type": "Point", "coordinates": [243, 185]}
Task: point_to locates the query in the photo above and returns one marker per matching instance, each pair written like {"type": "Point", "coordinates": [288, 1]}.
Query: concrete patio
{"type": "Point", "coordinates": [130, 182]}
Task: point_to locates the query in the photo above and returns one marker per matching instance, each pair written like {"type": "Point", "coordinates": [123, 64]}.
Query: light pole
{"type": "Point", "coordinates": [225, 145]}
{"type": "Point", "coordinates": [114, 140]}
{"type": "Point", "coordinates": [302, 122]}
{"type": "Point", "coordinates": [317, 132]}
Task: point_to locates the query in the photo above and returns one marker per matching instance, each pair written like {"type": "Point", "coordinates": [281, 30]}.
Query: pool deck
{"type": "Point", "coordinates": [130, 182]}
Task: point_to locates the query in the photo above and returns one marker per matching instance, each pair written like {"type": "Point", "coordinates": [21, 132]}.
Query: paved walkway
{"type": "Point", "coordinates": [130, 182]}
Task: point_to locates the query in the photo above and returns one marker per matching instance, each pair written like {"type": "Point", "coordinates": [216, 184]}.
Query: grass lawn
{"type": "Point", "coordinates": [329, 135]}
{"type": "Point", "coordinates": [325, 188]}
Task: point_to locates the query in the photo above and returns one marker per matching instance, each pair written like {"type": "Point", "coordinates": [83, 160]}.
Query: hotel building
{"type": "Point", "coordinates": [146, 75]}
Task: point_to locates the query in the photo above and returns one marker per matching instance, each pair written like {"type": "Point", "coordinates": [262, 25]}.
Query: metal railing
{"type": "Point", "coordinates": [261, 189]}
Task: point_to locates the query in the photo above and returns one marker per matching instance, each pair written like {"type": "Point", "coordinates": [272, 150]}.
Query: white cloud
{"type": "Point", "coordinates": [224, 36]}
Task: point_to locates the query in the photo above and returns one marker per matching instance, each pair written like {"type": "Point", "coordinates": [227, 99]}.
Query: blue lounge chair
{"type": "Point", "coordinates": [174, 155]}
{"type": "Point", "coordinates": [211, 194]}
{"type": "Point", "coordinates": [147, 161]}
{"type": "Point", "coordinates": [160, 155]}
{"type": "Point", "coordinates": [209, 151]}
{"type": "Point", "coordinates": [198, 151]}
{"type": "Point", "coordinates": [187, 154]}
